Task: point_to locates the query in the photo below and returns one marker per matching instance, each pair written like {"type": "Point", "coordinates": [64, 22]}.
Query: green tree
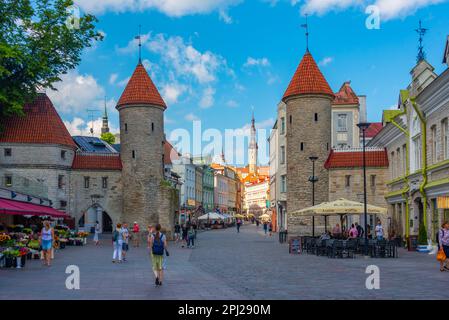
{"type": "Point", "coordinates": [422, 234]}
{"type": "Point", "coordinates": [108, 137]}
{"type": "Point", "coordinates": [37, 45]}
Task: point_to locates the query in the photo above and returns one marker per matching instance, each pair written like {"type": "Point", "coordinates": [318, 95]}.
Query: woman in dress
{"type": "Point", "coordinates": [46, 241]}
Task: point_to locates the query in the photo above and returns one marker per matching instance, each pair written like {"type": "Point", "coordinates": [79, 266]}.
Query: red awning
{"type": "Point", "coordinates": [22, 208]}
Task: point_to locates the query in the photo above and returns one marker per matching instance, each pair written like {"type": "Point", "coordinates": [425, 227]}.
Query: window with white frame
{"type": "Point", "coordinates": [342, 120]}
{"type": "Point", "coordinates": [445, 139]}
{"type": "Point", "coordinates": [284, 183]}
{"type": "Point", "coordinates": [417, 152]}
{"type": "Point", "coordinates": [433, 150]}
{"type": "Point", "coordinates": [282, 154]}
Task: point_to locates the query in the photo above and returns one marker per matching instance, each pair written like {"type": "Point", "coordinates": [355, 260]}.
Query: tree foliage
{"type": "Point", "coordinates": [37, 46]}
{"type": "Point", "coordinates": [108, 137]}
{"type": "Point", "coordinates": [422, 234]}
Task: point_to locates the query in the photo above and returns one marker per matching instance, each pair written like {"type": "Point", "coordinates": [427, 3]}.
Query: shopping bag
{"type": "Point", "coordinates": [441, 256]}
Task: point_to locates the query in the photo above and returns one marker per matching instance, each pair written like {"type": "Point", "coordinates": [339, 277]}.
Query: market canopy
{"type": "Point", "coordinates": [339, 207]}
{"type": "Point", "coordinates": [13, 207]}
{"type": "Point", "coordinates": [211, 216]}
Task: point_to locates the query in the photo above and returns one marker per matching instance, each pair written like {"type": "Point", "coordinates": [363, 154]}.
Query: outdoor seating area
{"type": "Point", "coordinates": [350, 248]}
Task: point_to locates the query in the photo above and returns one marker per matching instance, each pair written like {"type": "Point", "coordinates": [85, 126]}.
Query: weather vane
{"type": "Point", "coordinates": [139, 37]}
{"type": "Point", "coordinates": [306, 26]}
{"type": "Point", "coordinates": [421, 32]}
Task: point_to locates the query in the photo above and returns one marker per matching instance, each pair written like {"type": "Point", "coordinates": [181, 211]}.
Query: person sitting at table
{"type": "Point", "coordinates": [353, 233]}
{"type": "Point", "coordinates": [325, 236]}
{"type": "Point", "coordinates": [336, 231]}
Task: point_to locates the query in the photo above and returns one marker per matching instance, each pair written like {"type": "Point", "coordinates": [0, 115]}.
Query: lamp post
{"type": "Point", "coordinates": [313, 179]}
{"type": "Point", "coordinates": [363, 126]}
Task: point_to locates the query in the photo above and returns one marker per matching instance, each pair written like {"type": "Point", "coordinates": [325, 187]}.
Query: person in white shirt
{"type": "Point", "coordinates": [379, 230]}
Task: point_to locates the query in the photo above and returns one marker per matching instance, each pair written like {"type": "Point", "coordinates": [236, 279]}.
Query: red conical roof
{"type": "Point", "coordinates": [308, 79]}
{"type": "Point", "coordinates": [141, 90]}
{"type": "Point", "coordinates": [40, 125]}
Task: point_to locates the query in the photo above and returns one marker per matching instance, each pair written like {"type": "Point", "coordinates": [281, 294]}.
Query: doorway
{"type": "Point", "coordinates": [107, 222]}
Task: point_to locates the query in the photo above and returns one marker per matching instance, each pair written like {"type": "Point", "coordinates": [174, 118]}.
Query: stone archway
{"type": "Point", "coordinates": [91, 215]}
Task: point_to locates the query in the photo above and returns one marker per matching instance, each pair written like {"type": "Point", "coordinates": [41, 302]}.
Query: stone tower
{"type": "Point", "coordinates": [141, 110]}
{"type": "Point", "coordinates": [252, 148]}
{"type": "Point", "coordinates": [308, 115]}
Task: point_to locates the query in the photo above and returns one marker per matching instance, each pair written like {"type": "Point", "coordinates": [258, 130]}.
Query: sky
{"type": "Point", "coordinates": [217, 61]}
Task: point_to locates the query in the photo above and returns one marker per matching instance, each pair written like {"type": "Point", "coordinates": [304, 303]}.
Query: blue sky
{"type": "Point", "coordinates": [215, 60]}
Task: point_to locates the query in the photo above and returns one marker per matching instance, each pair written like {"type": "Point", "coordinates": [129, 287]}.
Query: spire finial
{"type": "Point", "coordinates": [306, 26]}
{"type": "Point", "coordinates": [105, 109]}
{"type": "Point", "coordinates": [139, 37]}
{"type": "Point", "coordinates": [421, 32]}
{"type": "Point", "coordinates": [252, 116]}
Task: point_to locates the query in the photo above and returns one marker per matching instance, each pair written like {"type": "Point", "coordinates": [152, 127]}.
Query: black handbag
{"type": "Point", "coordinates": [167, 253]}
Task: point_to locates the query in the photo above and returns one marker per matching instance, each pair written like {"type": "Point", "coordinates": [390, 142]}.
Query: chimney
{"type": "Point", "coordinates": [363, 113]}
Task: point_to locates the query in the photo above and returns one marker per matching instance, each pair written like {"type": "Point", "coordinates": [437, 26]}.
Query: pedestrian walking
{"type": "Point", "coordinates": [270, 228]}
{"type": "Point", "coordinates": [46, 241]}
{"type": "Point", "coordinates": [239, 223]}
{"type": "Point", "coordinates": [265, 227]}
{"type": "Point", "coordinates": [126, 235]}
{"type": "Point", "coordinates": [177, 232]}
{"type": "Point", "coordinates": [191, 238]}
{"type": "Point", "coordinates": [136, 234]}
{"type": "Point", "coordinates": [117, 241]}
{"type": "Point", "coordinates": [158, 244]}
{"type": "Point", "coordinates": [184, 232]}
{"type": "Point", "coordinates": [379, 230]}
{"type": "Point", "coordinates": [97, 232]}
{"type": "Point", "coordinates": [257, 223]}
{"type": "Point", "coordinates": [443, 246]}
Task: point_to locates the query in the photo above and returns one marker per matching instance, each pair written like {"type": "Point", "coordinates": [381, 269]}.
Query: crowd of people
{"type": "Point", "coordinates": [355, 231]}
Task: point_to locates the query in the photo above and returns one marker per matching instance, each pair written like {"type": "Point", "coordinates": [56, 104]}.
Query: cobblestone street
{"type": "Point", "coordinates": [226, 265]}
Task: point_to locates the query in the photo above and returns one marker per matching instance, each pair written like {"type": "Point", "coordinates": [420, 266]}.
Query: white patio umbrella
{"type": "Point", "coordinates": [211, 216]}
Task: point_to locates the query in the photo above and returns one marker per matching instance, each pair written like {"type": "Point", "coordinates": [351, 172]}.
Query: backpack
{"type": "Point", "coordinates": [158, 245]}
{"type": "Point", "coordinates": [115, 236]}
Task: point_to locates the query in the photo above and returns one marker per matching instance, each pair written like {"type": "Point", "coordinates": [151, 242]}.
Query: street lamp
{"type": "Point", "coordinates": [363, 126]}
{"type": "Point", "coordinates": [313, 179]}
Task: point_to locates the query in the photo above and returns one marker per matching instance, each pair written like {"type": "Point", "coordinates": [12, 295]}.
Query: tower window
{"type": "Point", "coordinates": [290, 119]}
{"type": "Point", "coordinates": [134, 154]}
{"type": "Point", "coordinates": [86, 182]}
{"type": "Point", "coordinates": [63, 153]}
{"type": "Point", "coordinates": [8, 181]}
{"type": "Point", "coordinates": [327, 146]}
{"type": "Point", "coordinates": [126, 128]}
{"type": "Point", "coordinates": [347, 181]}
{"type": "Point", "coordinates": [61, 182]}
{"type": "Point", "coordinates": [152, 126]}
{"type": "Point", "coordinates": [302, 146]}
{"type": "Point", "coordinates": [104, 182]}
{"type": "Point", "coordinates": [8, 152]}
{"type": "Point", "coordinates": [316, 117]}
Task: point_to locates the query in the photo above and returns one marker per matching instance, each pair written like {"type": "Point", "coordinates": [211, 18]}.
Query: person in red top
{"type": "Point", "coordinates": [136, 234]}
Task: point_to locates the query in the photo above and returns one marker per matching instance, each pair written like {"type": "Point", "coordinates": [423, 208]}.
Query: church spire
{"type": "Point", "coordinates": [105, 127]}
{"type": "Point", "coordinates": [421, 32]}
{"type": "Point", "coordinates": [252, 147]}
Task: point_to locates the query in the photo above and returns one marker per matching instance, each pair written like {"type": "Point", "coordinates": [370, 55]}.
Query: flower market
{"type": "Point", "coordinates": [21, 223]}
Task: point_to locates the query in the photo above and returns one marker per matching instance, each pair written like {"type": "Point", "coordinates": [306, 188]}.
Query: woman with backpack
{"type": "Point", "coordinates": [158, 245]}
{"type": "Point", "coordinates": [443, 244]}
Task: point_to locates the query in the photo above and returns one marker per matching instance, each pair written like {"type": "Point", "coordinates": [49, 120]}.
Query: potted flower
{"type": "Point", "coordinates": [11, 257]}
{"type": "Point", "coordinates": [21, 257]}
{"type": "Point", "coordinates": [422, 239]}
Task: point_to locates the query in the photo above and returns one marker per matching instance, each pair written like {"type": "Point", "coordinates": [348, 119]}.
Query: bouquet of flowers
{"type": "Point", "coordinates": [4, 238]}
{"type": "Point", "coordinates": [83, 234]}
{"type": "Point", "coordinates": [23, 251]}
{"type": "Point", "coordinates": [10, 252]}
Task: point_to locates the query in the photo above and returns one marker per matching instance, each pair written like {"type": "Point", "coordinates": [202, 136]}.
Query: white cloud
{"type": "Point", "coordinates": [264, 124]}
{"type": "Point", "coordinates": [250, 62]}
{"type": "Point", "coordinates": [172, 8]}
{"type": "Point", "coordinates": [325, 61]}
{"type": "Point", "coordinates": [80, 127]}
{"type": "Point", "coordinates": [186, 60]}
{"type": "Point", "coordinates": [112, 78]}
{"type": "Point", "coordinates": [389, 9]}
{"type": "Point", "coordinates": [76, 93]}
{"type": "Point", "coordinates": [232, 104]}
{"type": "Point", "coordinates": [225, 17]}
{"type": "Point", "coordinates": [191, 117]}
{"type": "Point", "coordinates": [172, 91]}
{"type": "Point", "coordinates": [123, 82]}
{"type": "Point", "coordinates": [168, 120]}
{"type": "Point", "coordinates": [207, 99]}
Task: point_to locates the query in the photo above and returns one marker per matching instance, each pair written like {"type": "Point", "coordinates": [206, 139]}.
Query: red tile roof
{"type": "Point", "coordinates": [96, 162]}
{"type": "Point", "coordinates": [170, 153]}
{"type": "Point", "coordinates": [308, 79]}
{"type": "Point", "coordinates": [373, 129]}
{"type": "Point", "coordinates": [40, 125]}
{"type": "Point", "coordinates": [354, 159]}
{"type": "Point", "coordinates": [346, 95]}
{"type": "Point", "coordinates": [141, 90]}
